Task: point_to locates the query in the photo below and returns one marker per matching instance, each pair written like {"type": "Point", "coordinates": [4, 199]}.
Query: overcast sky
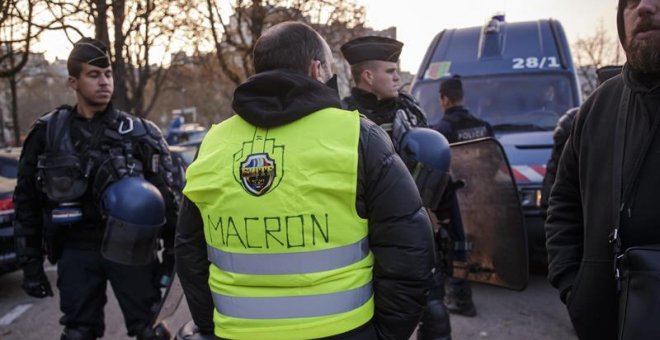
{"type": "Point", "coordinates": [418, 21]}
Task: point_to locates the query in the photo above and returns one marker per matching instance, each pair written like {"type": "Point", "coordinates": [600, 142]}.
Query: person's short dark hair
{"type": "Point", "coordinates": [452, 88]}
{"type": "Point", "coordinates": [289, 45]}
{"type": "Point", "coordinates": [357, 69]}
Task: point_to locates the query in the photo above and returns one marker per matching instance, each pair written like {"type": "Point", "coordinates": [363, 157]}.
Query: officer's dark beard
{"type": "Point", "coordinates": [644, 55]}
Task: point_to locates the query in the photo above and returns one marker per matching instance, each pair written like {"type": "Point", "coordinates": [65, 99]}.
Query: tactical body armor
{"type": "Point", "coordinates": [74, 177]}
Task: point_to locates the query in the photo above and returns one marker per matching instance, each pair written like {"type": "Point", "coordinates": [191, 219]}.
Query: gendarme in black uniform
{"type": "Point", "coordinates": [373, 64]}
{"type": "Point", "coordinates": [64, 147]}
{"type": "Point", "coordinates": [458, 125]}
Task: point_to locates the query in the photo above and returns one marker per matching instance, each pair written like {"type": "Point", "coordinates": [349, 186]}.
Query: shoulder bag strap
{"type": "Point", "coordinates": [619, 143]}
{"type": "Point", "coordinates": [617, 178]}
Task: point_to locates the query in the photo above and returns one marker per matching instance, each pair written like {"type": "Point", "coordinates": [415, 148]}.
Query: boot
{"type": "Point", "coordinates": [458, 298]}
{"type": "Point", "coordinates": [435, 323]}
{"type": "Point", "coordinates": [79, 333]}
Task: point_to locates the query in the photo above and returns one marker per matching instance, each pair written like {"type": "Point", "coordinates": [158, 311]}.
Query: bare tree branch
{"type": "Point", "coordinates": [593, 52]}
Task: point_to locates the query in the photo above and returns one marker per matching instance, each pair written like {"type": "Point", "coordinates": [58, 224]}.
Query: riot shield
{"type": "Point", "coordinates": [492, 215]}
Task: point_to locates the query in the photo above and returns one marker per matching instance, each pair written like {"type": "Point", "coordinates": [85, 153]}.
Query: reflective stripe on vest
{"type": "Point", "coordinates": [292, 306]}
{"type": "Point", "coordinates": [289, 263]}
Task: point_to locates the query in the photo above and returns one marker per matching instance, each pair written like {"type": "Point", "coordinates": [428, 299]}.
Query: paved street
{"type": "Point", "coordinates": [535, 313]}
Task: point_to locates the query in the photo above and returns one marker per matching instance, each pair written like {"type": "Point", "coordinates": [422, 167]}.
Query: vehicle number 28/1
{"type": "Point", "coordinates": [534, 62]}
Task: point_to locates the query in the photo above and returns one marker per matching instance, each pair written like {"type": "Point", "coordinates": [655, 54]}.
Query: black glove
{"type": "Point", "coordinates": [444, 256]}
{"type": "Point", "coordinates": [35, 282]}
{"type": "Point", "coordinates": [167, 267]}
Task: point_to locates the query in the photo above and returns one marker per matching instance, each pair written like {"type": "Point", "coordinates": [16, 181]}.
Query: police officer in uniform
{"type": "Point", "coordinates": [376, 95]}
{"type": "Point", "coordinates": [78, 169]}
{"type": "Point", "coordinates": [458, 125]}
{"type": "Point", "coordinates": [299, 220]}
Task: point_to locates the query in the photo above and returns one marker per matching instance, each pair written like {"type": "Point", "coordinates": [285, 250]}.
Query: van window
{"type": "Point", "coordinates": [527, 102]}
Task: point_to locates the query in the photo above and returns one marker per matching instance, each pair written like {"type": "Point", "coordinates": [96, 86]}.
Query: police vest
{"type": "Point", "coordinates": [290, 255]}
{"type": "Point", "coordinates": [64, 173]}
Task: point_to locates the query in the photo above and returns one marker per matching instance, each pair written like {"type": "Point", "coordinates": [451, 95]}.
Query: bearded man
{"type": "Point", "coordinates": [622, 114]}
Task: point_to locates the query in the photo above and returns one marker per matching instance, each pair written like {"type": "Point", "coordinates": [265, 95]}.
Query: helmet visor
{"type": "Point", "coordinates": [129, 244]}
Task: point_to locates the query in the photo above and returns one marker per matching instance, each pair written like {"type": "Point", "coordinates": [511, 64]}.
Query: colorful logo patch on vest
{"type": "Point", "coordinates": [257, 173]}
{"type": "Point", "coordinates": [258, 166]}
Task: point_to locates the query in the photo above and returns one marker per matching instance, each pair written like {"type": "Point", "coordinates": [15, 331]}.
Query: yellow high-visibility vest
{"type": "Point", "coordinates": [290, 255]}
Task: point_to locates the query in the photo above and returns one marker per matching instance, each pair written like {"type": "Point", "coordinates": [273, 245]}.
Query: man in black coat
{"type": "Point", "coordinates": [580, 214]}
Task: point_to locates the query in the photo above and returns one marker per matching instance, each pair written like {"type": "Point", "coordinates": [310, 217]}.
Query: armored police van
{"type": "Point", "coordinates": [520, 78]}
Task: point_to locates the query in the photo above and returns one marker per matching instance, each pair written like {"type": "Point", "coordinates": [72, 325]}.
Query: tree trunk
{"type": "Point", "coordinates": [101, 22]}
{"type": "Point", "coordinates": [119, 68]}
{"type": "Point", "coordinates": [3, 141]}
{"type": "Point", "coordinates": [14, 109]}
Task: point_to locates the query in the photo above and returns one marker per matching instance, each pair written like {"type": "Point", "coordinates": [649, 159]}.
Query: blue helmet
{"type": "Point", "coordinates": [427, 155]}
{"type": "Point", "coordinates": [426, 146]}
{"type": "Point", "coordinates": [135, 211]}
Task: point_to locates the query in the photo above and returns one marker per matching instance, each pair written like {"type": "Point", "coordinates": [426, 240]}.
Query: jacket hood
{"type": "Point", "coordinates": [641, 83]}
{"type": "Point", "coordinates": [278, 97]}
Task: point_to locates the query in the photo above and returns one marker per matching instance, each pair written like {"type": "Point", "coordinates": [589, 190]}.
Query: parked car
{"type": "Point", "coordinates": [8, 169]}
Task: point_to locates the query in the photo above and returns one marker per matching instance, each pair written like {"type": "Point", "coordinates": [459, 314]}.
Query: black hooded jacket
{"type": "Point", "coordinates": [400, 235]}
{"type": "Point", "coordinates": [580, 214]}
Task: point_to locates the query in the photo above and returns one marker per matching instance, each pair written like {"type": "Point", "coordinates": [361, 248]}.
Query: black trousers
{"type": "Point", "coordinates": [82, 278]}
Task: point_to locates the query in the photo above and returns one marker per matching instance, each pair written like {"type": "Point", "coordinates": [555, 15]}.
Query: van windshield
{"type": "Point", "coordinates": [509, 103]}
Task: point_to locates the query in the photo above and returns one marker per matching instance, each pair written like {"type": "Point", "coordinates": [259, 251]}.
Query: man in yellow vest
{"type": "Point", "coordinates": [300, 220]}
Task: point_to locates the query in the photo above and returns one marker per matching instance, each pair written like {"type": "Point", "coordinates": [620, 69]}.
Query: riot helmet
{"type": "Point", "coordinates": [135, 211]}
{"type": "Point", "coordinates": [427, 155]}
